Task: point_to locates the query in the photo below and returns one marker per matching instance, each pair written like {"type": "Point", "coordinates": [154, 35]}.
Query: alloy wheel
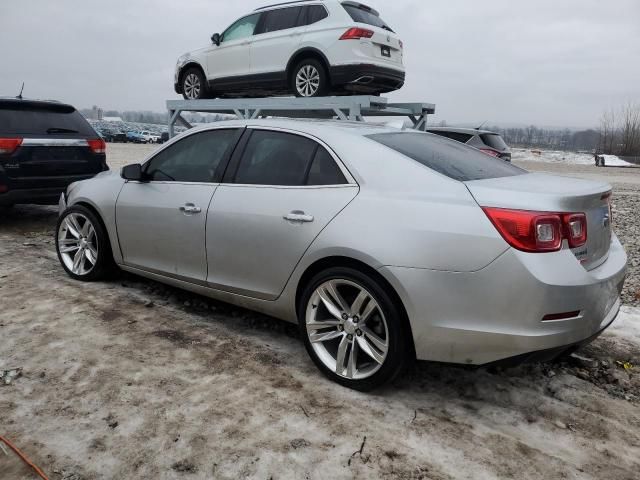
{"type": "Point", "coordinates": [78, 244]}
{"type": "Point", "coordinates": [308, 81]}
{"type": "Point", "coordinates": [192, 86]}
{"type": "Point", "coordinates": [347, 329]}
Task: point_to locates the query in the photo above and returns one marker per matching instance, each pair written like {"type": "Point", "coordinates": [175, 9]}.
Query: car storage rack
{"type": "Point", "coordinates": [354, 108]}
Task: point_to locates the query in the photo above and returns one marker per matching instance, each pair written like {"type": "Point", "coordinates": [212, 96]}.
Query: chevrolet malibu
{"type": "Point", "coordinates": [384, 245]}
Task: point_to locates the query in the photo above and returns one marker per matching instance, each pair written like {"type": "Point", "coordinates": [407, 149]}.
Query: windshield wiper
{"type": "Point", "coordinates": [61, 130]}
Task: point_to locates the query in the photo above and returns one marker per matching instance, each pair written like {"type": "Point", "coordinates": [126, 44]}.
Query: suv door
{"type": "Point", "coordinates": [276, 40]}
{"type": "Point", "coordinates": [233, 56]}
{"type": "Point", "coordinates": [281, 190]}
{"type": "Point", "coordinates": [161, 221]}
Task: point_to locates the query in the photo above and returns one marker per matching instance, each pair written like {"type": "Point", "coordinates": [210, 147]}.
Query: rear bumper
{"type": "Point", "coordinates": [367, 77]}
{"type": "Point", "coordinates": [47, 193]}
{"type": "Point", "coordinates": [496, 313]}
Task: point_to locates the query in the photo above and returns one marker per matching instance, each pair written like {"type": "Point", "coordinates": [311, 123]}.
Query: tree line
{"type": "Point", "coordinates": [620, 131]}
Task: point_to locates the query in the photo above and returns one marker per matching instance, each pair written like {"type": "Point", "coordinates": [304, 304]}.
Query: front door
{"type": "Point", "coordinates": [285, 191]}
{"type": "Point", "coordinates": [161, 222]}
{"type": "Point", "coordinates": [232, 58]}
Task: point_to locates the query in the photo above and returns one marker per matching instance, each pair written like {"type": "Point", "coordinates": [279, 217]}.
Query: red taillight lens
{"type": "Point", "coordinates": [356, 33]}
{"type": "Point", "coordinates": [401, 44]}
{"type": "Point", "coordinates": [97, 146]}
{"type": "Point", "coordinates": [538, 232]}
{"type": "Point", "coordinates": [9, 145]}
{"type": "Point", "coordinates": [488, 151]}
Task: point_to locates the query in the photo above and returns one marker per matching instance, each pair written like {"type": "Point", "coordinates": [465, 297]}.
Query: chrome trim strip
{"type": "Point", "coordinates": [54, 142]}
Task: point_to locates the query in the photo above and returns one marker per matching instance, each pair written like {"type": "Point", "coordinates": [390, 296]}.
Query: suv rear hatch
{"type": "Point", "coordinates": [540, 192]}
{"type": "Point", "coordinates": [52, 144]}
{"type": "Point", "coordinates": [386, 44]}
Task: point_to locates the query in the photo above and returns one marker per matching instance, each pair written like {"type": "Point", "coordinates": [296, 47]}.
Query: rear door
{"type": "Point", "coordinates": [54, 145]}
{"type": "Point", "coordinates": [276, 40]}
{"type": "Point", "coordinates": [280, 192]}
{"type": "Point", "coordinates": [161, 222]}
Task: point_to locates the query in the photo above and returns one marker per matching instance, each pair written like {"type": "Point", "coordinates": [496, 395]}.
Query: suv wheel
{"type": "Point", "coordinates": [352, 329]}
{"type": "Point", "coordinates": [310, 79]}
{"type": "Point", "coordinates": [193, 85]}
{"type": "Point", "coordinates": [83, 245]}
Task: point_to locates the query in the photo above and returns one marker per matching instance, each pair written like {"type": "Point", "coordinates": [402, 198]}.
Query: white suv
{"type": "Point", "coordinates": [309, 48]}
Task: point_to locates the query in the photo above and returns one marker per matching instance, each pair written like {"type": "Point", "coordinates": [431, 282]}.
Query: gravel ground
{"type": "Point", "coordinates": [132, 379]}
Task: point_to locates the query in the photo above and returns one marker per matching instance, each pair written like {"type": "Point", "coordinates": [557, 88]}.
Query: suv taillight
{"type": "Point", "coordinates": [356, 33]}
{"type": "Point", "coordinates": [9, 145]}
{"type": "Point", "coordinates": [488, 151]}
{"type": "Point", "coordinates": [538, 232]}
{"type": "Point", "coordinates": [97, 145]}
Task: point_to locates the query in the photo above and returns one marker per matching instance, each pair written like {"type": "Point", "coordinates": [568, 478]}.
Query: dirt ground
{"type": "Point", "coordinates": [129, 379]}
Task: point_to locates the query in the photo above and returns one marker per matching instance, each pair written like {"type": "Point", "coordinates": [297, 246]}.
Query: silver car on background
{"type": "Point", "coordinates": [385, 245]}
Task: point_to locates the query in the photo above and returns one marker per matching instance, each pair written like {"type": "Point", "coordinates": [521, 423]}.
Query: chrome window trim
{"type": "Point", "coordinates": [54, 142]}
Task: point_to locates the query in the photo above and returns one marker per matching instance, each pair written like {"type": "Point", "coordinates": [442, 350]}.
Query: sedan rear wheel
{"type": "Point", "coordinates": [83, 245]}
{"type": "Point", "coordinates": [352, 329]}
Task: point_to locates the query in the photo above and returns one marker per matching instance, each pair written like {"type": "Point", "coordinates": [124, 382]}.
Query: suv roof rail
{"type": "Point", "coordinates": [282, 4]}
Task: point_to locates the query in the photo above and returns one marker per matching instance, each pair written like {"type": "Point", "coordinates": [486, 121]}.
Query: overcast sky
{"type": "Point", "coordinates": [547, 62]}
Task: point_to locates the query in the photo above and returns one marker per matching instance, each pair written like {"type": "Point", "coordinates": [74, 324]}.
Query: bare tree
{"type": "Point", "coordinates": [607, 131]}
{"type": "Point", "coordinates": [630, 129]}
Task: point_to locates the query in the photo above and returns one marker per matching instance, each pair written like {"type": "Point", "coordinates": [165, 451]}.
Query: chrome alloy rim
{"type": "Point", "coordinates": [308, 81]}
{"type": "Point", "coordinates": [78, 244]}
{"type": "Point", "coordinates": [192, 86]}
{"type": "Point", "coordinates": [347, 329]}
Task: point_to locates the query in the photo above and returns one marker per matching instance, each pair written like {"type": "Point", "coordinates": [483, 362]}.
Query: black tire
{"type": "Point", "coordinates": [311, 69]}
{"type": "Point", "coordinates": [194, 84]}
{"type": "Point", "coordinates": [104, 265]}
{"type": "Point", "coordinates": [397, 334]}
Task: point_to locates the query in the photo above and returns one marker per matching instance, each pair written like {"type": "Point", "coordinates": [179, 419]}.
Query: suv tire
{"type": "Point", "coordinates": [194, 85]}
{"type": "Point", "coordinates": [310, 79]}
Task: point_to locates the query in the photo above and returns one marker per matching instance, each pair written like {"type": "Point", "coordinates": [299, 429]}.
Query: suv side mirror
{"type": "Point", "coordinates": [215, 38]}
{"type": "Point", "coordinates": [132, 172]}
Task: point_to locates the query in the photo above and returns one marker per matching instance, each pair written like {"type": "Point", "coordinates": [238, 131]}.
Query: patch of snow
{"type": "Point", "coordinates": [567, 158]}
{"type": "Point", "coordinates": [627, 324]}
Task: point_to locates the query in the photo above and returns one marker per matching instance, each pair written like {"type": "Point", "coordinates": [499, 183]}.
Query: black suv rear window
{"type": "Point", "coordinates": [363, 14]}
{"type": "Point", "coordinates": [494, 141]}
{"type": "Point", "coordinates": [30, 119]}
{"type": "Point", "coordinates": [447, 157]}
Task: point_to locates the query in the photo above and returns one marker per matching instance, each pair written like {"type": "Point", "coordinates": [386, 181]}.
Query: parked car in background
{"type": "Point", "coordinates": [136, 137]}
{"type": "Point", "coordinates": [383, 245]}
{"type": "Point", "coordinates": [486, 141]}
{"type": "Point", "coordinates": [150, 137]}
{"type": "Point", "coordinates": [308, 48]}
{"type": "Point", "coordinates": [44, 147]}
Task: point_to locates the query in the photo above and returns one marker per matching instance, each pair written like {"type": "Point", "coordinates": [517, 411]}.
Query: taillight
{"type": "Point", "coordinates": [538, 232]}
{"type": "Point", "coordinates": [356, 33]}
{"type": "Point", "coordinates": [97, 145]}
{"type": "Point", "coordinates": [401, 44]}
{"type": "Point", "coordinates": [488, 151]}
{"type": "Point", "coordinates": [9, 145]}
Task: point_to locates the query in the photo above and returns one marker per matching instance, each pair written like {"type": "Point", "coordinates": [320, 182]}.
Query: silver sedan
{"type": "Point", "coordinates": [384, 245]}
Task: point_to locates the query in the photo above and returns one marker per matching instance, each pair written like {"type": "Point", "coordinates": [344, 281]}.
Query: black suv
{"type": "Point", "coordinates": [44, 147]}
{"type": "Point", "coordinates": [486, 141]}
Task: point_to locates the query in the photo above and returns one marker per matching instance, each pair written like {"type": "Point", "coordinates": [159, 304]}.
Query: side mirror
{"type": "Point", "coordinates": [132, 172]}
{"type": "Point", "coordinates": [215, 38]}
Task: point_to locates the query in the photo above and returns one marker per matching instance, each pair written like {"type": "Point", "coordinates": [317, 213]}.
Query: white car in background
{"type": "Point", "coordinates": [150, 137]}
{"type": "Point", "coordinates": [307, 48]}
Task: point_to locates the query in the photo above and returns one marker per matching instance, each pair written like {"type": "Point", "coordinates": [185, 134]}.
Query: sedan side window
{"type": "Point", "coordinates": [325, 171]}
{"type": "Point", "coordinates": [243, 28]}
{"type": "Point", "coordinates": [193, 159]}
{"type": "Point", "coordinates": [276, 158]}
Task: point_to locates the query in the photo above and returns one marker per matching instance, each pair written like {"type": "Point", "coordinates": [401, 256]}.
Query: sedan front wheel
{"type": "Point", "coordinates": [353, 330]}
{"type": "Point", "coordinates": [83, 245]}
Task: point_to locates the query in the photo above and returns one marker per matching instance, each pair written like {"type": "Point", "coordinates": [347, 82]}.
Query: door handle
{"type": "Point", "coordinates": [190, 209]}
{"type": "Point", "coordinates": [298, 216]}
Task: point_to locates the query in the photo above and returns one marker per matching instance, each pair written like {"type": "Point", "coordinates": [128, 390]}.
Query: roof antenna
{"type": "Point", "coordinates": [19, 97]}
{"type": "Point", "coordinates": [481, 125]}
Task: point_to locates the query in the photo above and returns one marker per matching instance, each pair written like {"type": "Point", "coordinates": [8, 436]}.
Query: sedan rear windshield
{"type": "Point", "coordinates": [26, 120]}
{"type": "Point", "coordinates": [494, 141]}
{"type": "Point", "coordinates": [363, 14]}
{"type": "Point", "coordinates": [450, 158]}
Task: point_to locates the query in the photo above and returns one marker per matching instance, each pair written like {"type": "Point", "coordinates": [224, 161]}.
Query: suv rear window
{"type": "Point", "coordinates": [453, 159]}
{"type": "Point", "coordinates": [494, 141]}
{"type": "Point", "coordinates": [28, 119]}
{"type": "Point", "coordinates": [363, 14]}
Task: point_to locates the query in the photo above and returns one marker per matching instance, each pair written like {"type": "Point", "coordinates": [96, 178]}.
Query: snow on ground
{"type": "Point", "coordinates": [569, 158]}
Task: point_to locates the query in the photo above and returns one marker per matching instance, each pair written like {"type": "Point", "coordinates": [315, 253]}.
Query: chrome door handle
{"type": "Point", "coordinates": [298, 216]}
{"type": "Point", "coordinates": [190, 209]}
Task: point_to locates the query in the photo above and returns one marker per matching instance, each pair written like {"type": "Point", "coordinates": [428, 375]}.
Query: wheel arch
{"type": "Point", "coordinates": [93, 209]}
{"type": "Point", "coordinates": [304, 53]}
{"type": "Point", "coordinates": [343, 261]}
